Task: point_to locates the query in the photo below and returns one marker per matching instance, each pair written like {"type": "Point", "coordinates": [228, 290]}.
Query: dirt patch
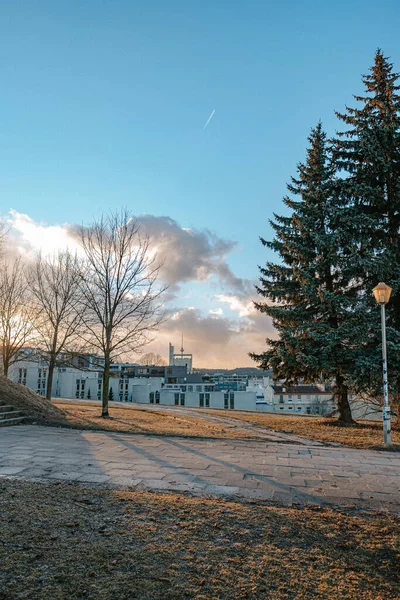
{"type": "Point", "coordinates": [64, 541]}
{"type": "Point", "coordinates": [33, 406]}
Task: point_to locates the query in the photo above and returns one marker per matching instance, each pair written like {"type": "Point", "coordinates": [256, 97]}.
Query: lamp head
{"type": "Point", "coordinates": [382, 293]}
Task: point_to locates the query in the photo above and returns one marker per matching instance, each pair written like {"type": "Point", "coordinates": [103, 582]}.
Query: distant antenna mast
{"type": "Point", "coordinates": [182, 350]}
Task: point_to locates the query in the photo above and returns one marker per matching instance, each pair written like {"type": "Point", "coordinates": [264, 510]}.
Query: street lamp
{"type": "Point", "coordinates": [382, 296]}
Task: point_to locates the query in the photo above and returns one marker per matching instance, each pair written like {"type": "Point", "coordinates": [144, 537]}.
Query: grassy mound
{"type": "Point", "coordinates": [34, 407]}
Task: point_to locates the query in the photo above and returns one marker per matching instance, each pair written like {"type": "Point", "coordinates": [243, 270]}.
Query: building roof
{"type": "Point", "coordinates": [298, 389]}
{"type": "Point", "coordinates": [194, 378]}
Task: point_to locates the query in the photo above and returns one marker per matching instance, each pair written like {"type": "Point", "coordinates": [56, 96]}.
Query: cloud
{"type": "Point", "coordinates": [29, 237]}
{"type": "Point", "coordinates": [218, 312]}
{"type": "Point", "coordinates": [245, 287]}
{"type": "Point", "coordinates": [188, 254]}
{"type": "Point", "coordinates": [213, 340]}
{"type": "Point", "coordinates": [191, 254]}
{"type": "Point", "coordinates": [243, 306]}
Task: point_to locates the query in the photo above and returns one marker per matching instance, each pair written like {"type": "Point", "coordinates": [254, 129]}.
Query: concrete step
{"type": "Point", "coordinates": [15, 421]}
{"type": "Point", "coordinates": [10, 414]}
{"type": "Point", "coordinates": [5, 407]}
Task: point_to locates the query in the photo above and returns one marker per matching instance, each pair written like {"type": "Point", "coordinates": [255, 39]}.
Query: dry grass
{"type": "Point", "coordinates": [135, 420]}
{"type": "Point", "coordinates": [66, 542]}
{"type": "Point", "coordinates": [170, 422]}
{"type": "Point", "coordinates": [363, 434]}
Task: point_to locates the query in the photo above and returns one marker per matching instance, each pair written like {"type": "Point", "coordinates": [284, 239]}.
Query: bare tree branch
{"type": "Point", "coordinates": [152, 359]}
{"type": "Point", "coordinates": [121, 303]}
{"type": "Point", "coordinates": [55, 287]}
{"type": "Point", "coordinates": [16, 313]}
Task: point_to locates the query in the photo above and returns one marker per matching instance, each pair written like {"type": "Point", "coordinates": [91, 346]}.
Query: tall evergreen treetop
{"type": "Point", "coordinates": [369, 153]}
{"type": "Point", "coordinates": [310, 295]}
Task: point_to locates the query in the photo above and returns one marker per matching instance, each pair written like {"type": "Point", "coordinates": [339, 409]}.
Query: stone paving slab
{"type": "Point", "coordinates": [262, 470]}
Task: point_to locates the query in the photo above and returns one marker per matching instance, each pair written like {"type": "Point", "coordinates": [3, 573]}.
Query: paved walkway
{"type": "Point", "coordinates": [283, 473]}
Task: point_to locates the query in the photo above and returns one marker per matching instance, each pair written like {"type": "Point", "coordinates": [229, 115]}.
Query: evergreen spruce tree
{"type": "Point", "coordinates": [110, 394]}
{"type": "Point", "coordinates": [368, 152]}
{"type": "Point", "coordinates": [310, 295]}
{"type": "Point", "coordinates": [89, 395]}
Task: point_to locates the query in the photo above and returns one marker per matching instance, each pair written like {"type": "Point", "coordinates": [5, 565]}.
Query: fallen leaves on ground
{"type": "Point", "coordinates": [65, 541]}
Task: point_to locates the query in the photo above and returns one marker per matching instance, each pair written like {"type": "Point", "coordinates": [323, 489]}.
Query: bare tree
{"type": "Point", "coordinates": [16, 315]}
{"type": "Point", "coordinates": [55, 287]}
{"type": "Point", "coordinates": [120, 291]}
{"type": "Point", "coordinates": [152, 359]}
{"type": "Point", "coordinates": [370, 405]}
{"type": "Point", "coordinates": [3, 235]}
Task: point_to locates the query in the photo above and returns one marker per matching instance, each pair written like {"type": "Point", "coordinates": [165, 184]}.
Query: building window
{"type": "Point", "coordinates": [281, 408]}
{"type": "Point", "coordinates": [299, 408]}
{"type": "Point", "coordinates": [231, 400]}
{"type": "Point", "coordinates": [157, 397]}
{"type": "Point", "coordinates": [207, 399]}
{"type": "Point", "coordinates": [183, 388]}
{"type": "Point", "coordinates": [22, 376]}
{"type": "Point", "coordinates": [290, 398]}
{"type": "Point", "coordinates": [80, 388]}
{"type": "Point", "coordinates": [190, 388]}
{"type": "Point", "coordinates": [151, 396]}
{"type": "Point", "coordinates": [201, 399]}
{"type": "Point", "coordinates": [308, 410]}
{"type": "Point", "coordinates": [290, 407]}
{"type": "Point", "coordinates": [281, 399]}
{"type": "Point", "coordinates": [176, 399]}
{"type": "Point", "coordinates": [199, 388]}
{"type": "Point", "coordinates": [299, 397]}
{"type": "Point", "coordinates": [208, 388]}
{"type": "Point", "coordinates": [182, 399]}
{"type": "Point", "coordinates": [226, 400]}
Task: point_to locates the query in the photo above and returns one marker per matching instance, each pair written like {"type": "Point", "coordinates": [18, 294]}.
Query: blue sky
{"type": "Point", "coordinates": [103, 105]}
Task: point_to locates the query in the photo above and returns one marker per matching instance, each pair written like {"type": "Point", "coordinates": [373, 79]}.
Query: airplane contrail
{"type": "Point", "coordinates": [209, 119]}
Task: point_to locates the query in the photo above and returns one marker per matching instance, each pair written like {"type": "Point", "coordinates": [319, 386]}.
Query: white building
{"type": "Point", "coordinates": [300, 399]}
{"type": "Point", "coordinates": [203, 399]}
{"type": "Point", "coordinates": [183, 359]}
{"type": "Point", "coordinates": [32, 372]}
{"type": "Point", "coordinates": [131, 385]}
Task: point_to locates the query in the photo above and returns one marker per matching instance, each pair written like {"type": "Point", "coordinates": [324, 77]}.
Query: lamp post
{"type": "Point", "coordinates": [382, 296]}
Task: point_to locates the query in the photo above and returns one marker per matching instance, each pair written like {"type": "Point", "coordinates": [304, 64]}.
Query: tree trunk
{"type": "Point", "coordinates": [106, 380]}
{"type": "Point", "coordinates": [52, 363]}
{"type": "Point", "coordinates": [342, 395]}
